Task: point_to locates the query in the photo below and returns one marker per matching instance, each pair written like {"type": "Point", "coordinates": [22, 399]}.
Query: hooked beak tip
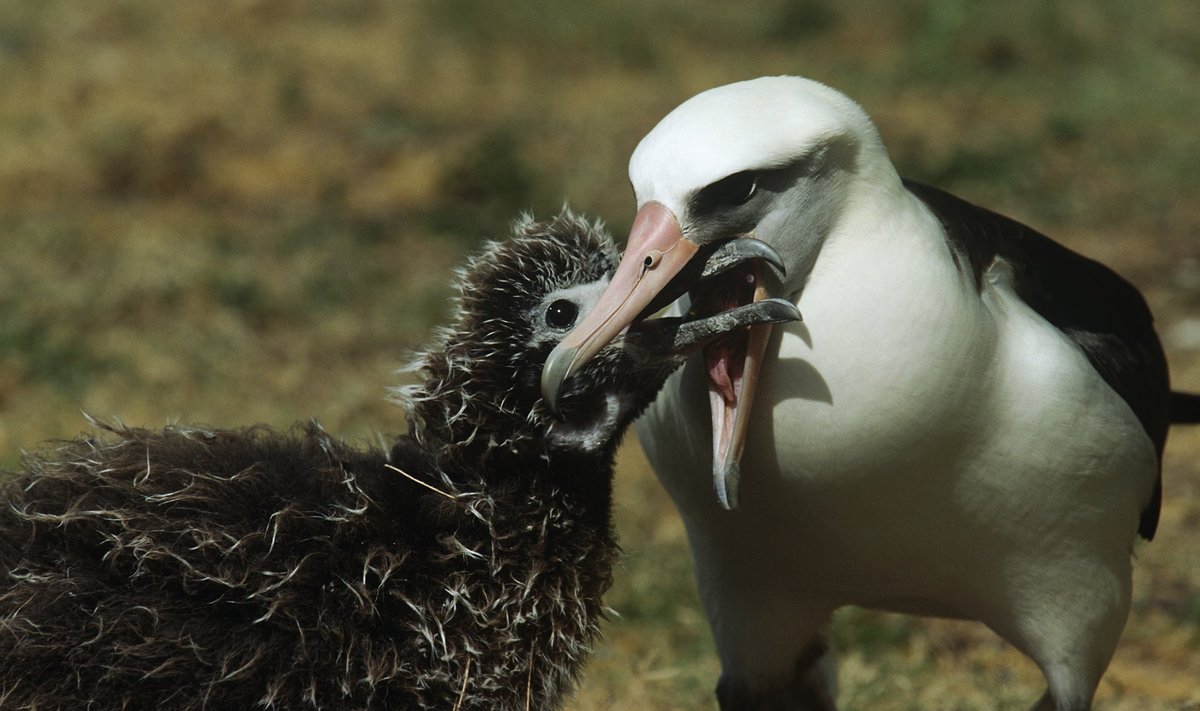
{"type": "Point", "coordinates": [558, 368]}
{"type": "Point", "coordinates": [726, 478]}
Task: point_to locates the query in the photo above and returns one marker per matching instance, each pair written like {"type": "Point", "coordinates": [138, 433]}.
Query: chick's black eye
{"type": "Point", "coordinates": [561, 314]}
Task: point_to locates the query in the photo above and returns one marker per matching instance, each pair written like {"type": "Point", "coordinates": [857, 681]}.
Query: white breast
{"type": "Point", "coordinates": [906, 432]}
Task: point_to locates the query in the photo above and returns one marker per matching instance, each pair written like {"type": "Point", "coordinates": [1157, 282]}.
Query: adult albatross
{"type": "Point", "coordinates": [968, 422]}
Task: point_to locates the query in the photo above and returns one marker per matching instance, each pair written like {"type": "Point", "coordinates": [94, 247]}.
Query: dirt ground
{"type": "Point", "coordinates": [248, 212]}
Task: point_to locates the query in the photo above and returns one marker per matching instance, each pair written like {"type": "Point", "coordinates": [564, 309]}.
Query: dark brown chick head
{"type": "Point", "coordinates": [480, 391]}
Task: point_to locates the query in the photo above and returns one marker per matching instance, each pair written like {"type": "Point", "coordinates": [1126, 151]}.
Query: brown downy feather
{"type": "Point", "coordinates": [252, 568]}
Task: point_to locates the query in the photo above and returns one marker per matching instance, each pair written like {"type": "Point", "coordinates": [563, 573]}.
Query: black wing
{"type": "Point", "coordinates": [1103, 314]}
{"type": "Point", "coordinates": [1185, 408]}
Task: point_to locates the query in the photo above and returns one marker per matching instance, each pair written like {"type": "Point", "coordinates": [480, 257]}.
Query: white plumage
{"type": "Point", "coordinates": [957, 428]}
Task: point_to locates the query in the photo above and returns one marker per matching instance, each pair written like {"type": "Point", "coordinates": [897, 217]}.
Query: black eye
{"type": "Point", "coordinates": [561, 314]}
{"type": "Point", "coordinates": [730, 191]}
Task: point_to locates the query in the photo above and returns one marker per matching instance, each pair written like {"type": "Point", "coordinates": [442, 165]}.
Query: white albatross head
{"type": "Point", "coordinates": [779, 159]}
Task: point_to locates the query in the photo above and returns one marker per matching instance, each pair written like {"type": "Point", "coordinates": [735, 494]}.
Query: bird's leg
{"type": "Point", "coordinates": [1046, 703]}
{"type": "Point", "coordinates": [813, 687]}
{"type": "Point", "coordinates": [1068, 690]}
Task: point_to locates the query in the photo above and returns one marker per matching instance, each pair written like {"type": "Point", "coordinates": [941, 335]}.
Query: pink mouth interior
{"type": "Point", "coordinates": [726, 357]}
{"type": "Point", "coordinates": [725, 360]}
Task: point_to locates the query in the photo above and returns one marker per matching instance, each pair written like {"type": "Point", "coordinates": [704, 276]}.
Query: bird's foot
{"type": "Point", "coordinates": [813, 686]}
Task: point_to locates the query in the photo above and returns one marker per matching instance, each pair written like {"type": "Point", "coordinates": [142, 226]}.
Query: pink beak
{"type": "Point", "coordinates": [655, 253]}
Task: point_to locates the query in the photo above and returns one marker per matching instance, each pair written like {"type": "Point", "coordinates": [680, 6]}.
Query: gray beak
{"type": "Point", "coordinates": [677, 336]}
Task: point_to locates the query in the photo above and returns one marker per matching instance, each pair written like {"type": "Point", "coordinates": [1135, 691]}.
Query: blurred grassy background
{"type": "Point", "coordinates": [247, 211]}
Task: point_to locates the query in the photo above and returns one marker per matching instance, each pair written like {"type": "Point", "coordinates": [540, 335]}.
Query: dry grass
{"type": "Point", "coordinates": [246, 211]}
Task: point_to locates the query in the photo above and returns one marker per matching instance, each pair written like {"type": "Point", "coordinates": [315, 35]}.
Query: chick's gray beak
{"type": "Point", "coordinates": [556, 371]}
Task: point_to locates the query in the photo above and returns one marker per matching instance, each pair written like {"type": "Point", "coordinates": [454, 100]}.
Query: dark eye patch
{"type": "Point", "coordinates": [561, 314]}
{"type": "Point", "coordinates": [730, 191]}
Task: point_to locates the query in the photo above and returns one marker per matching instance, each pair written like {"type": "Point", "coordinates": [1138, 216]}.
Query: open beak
{"type": "Point", "coordinates": [733, 367]}
{"type": "Point", "coordinates": [645, 280]}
